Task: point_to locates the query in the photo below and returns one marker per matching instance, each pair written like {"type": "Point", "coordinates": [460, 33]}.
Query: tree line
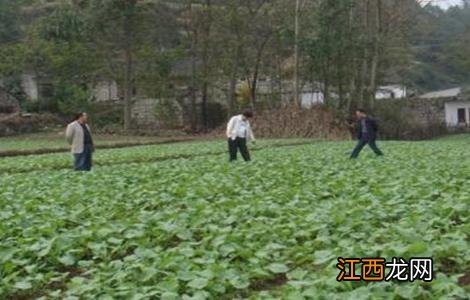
{"type": "Point", "coordinates": [185, 49]}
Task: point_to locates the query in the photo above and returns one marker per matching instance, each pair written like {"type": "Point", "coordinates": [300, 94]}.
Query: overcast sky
{"type": "Point", "coordinates": [444, 3]}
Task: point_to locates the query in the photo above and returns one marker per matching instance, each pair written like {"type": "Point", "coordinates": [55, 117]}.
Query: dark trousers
{"type": "Point", "coordinates": [82, 160]}
{"type": "Point", "coordinates": [238, 144]}
{"type": "Point", "coordinates": [361, 143]}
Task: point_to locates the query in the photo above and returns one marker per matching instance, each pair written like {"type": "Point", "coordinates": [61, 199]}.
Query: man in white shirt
{"type": "Point", "coordinates": [238, 133]}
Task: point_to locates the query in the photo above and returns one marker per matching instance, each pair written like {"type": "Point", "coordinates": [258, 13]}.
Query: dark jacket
{"type": "Point", "coordinates": [371, 129]}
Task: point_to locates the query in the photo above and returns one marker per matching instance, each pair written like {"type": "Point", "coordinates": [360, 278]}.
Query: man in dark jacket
{"type": "Point", "coordinates": [366, 133]}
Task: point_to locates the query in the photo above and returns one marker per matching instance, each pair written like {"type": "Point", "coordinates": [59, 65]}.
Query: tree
{"type": "Point", "coordinates": [11, 47]}
{"type": "Point", "coordinates": [116, 36]}
{"type": "Point", "coordinates": [296, 52]}
{"type": "Point", "coordinates": [346, 48]}
{"type": "Point", "coordinates": [440, 46]}
{"type": "Point", "coordinates": [124, 35]}
{"type": "Point", "coordinates": [352, 44]}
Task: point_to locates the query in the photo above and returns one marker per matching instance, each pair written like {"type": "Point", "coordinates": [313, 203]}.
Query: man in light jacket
{"type": "Point", "coordinates": [79, 137]}
{"type": "Point", "coordinates": [238, 133]}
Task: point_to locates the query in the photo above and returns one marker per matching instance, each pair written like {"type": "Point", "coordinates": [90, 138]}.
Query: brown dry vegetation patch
{"type": "Point", "coordinates": [258, 285]}
{"type": "Point", "coordinates": [464, 280]}
{"type": "Point", "coordinates": [318, 122]}
{"type": "Point", "coordinates": [13, 124]}
{"type": "Point", "coordinates": [267, 284]}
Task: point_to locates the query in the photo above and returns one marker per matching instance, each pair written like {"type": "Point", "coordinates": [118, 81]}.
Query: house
{"type": "Point", "coordinates": [29, 85]}
{"type": "Point", "coordinates": [454, 103]}
{"type": "Point", "coordinates": [35, 89]}
{"type": "Point", "coordinates": [394, 91]}
{"type": "Point", "coordinates": [449, 93]}
{"type": "Point", "coordinates": [105, 90]}
{"type": "Point", "coordinates": [450, 107]}
{"type": "Point", "coordinates": [310, 98]}
{"type": "Point", "coordinates": [311, 93]}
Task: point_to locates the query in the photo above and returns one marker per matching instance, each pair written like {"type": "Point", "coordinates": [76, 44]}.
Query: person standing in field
{"type": "Point", "coordinates": [367, 129]}
{"type": "Point", "coordinates": [238, 133]}
{"type": "Point", "coordinates": [79, 137]}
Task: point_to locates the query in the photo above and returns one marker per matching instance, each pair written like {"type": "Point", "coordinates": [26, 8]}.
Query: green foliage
{"type": "Point", "coordinates": [398, 121]}
{"type": "Point", "coordinates": [168, 112]}
{"type": "Point", "coordinates": [201, 228]}
{"type": "Point", "coordinates": [181, 49]}
{"type": "Point", "coordinates": [12, 84]}
{"type": "Point", "coordinates": [58, 54]}
{"type": "Point", "coordinates": [64, 60]}
{"type": "Point", "coordinates": [71, 98]}
{"type": "Point", "coordinates": [64, 24]}
{"type": "Point", "coordinates": [10, 29]}
{"type": "Point", "coordinates": [51, 141]}
{"type": "Point", "coordinates": [441, 44]}
{"type": "Point", "coordinates": [243, 96]}
{"type": "Point", "coordinates": [153, 77]}
{"type": "Point", "coordinates": [12, 59]}
{"type": "Point", "coordinates": [143, 154]}
{"type": "Point", "coordinates": [333, 45]}
{"type": "Point", "coordinates": [12, 51]}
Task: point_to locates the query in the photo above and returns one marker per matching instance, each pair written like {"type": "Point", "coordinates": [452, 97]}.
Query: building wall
{"type": "Point", "coordinates": [310, 99]}
{"type": "Point", "coordinates": [143, 113]}
{"type": "Point", "coordinates": [443, 110]}
{"type": "Point", "coordinates": [106, 91]}
{"type": "Point", "coordinates": [424, 111]}
{"type": "Point", "coordinates": [30, 86]}
{"type": "Point", "coordinates": [391, 92]}
{"type": "Point", "coordinates": [148, 113]}
{"type": "Point", "coordinates": [451, 111]}
{"type": "Point", "coordinates": [428, 110]}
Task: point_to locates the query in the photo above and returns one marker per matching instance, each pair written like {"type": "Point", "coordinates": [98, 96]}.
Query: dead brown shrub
{"type": "Point", "coordinates": [318, 122]}
{"type": "Point", "coordinates": [13, 124]}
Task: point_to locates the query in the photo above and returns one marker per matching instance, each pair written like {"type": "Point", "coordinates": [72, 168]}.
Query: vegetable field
{"type": "Point", "coordinates": [56, 141]}
{"type": "Point", "coordinates": [180, 222]}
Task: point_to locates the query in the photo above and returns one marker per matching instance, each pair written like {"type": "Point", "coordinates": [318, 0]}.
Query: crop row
{"type": "Point", "coordinates": [202, 228]}
{"type": "Point", "coordinates": [138, 154]}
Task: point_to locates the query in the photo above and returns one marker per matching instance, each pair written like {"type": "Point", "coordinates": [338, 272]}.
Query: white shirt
{"type": "Point", "coordinates": [242, 128]}
{"type": "Point", "coordinates": [238, 126]}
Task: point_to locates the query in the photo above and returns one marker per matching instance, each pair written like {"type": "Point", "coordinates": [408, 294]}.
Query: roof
{"type": "Point", "coordinates": [391, 88]}
{"type": "Point", "coordinates": [449, 93]}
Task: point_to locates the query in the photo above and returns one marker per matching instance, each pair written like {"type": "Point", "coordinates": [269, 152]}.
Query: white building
{"type": "Point", "coordinates": [458, 113]}
{"type": "Point", "coordinates": [30, 86]}
{"type": "Point", "coordinates": [106, 90]}
{"type": "Point", "coordinates": [394, 91]}
{"type": "Point", "coordinates": [449, 93]}
{"type": "Point", "coordinates": [457, 108]}
{"type": "Point", "coordinates": [102, 90]}
{"type": "Point", "coordinates": [311, 98]}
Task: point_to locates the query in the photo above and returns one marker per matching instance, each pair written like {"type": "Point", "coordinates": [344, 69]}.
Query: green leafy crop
{"type": "Point", "coordinates": [202, 228]}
